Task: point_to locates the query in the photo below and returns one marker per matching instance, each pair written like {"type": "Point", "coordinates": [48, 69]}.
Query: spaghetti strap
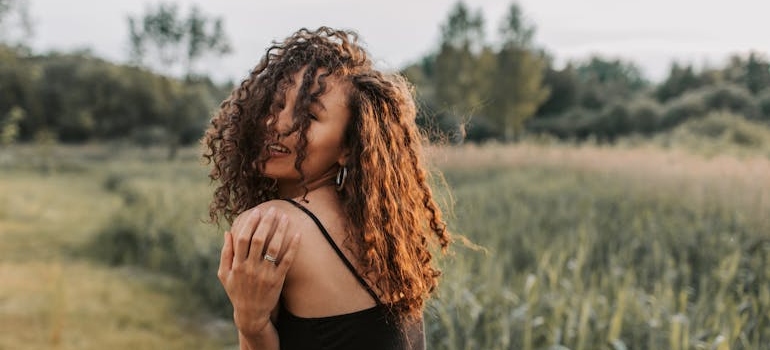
{"type": "Point", "coordinates": [336, 249]}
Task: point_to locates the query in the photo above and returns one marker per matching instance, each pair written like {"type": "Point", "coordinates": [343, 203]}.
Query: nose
{"type": "Point", "coordinates": [282, 121]}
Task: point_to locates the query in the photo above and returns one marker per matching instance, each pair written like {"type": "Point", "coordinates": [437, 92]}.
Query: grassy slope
{"type": "Point", "coordinates": [53, 299]}
{"type": "Point", "coordinates": [586, 246]}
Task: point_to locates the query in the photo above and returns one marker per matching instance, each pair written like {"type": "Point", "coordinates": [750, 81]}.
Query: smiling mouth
{"type": "Point", "coordinates": [278, 148]}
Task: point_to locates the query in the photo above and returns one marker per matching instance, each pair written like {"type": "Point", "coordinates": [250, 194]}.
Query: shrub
{"type": "Point", "coordinates": [159, 229]}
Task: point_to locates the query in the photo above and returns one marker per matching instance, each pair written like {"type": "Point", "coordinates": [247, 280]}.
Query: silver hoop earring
{"type": "Point", "coordinates": [342, 174]}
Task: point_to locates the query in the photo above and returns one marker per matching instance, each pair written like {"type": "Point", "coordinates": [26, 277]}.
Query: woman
{"type": "Point", "coordinates": [318, 160]}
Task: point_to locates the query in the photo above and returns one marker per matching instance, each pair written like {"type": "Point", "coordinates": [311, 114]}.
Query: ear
{"type": "Point", "coordinates": [344, 155]}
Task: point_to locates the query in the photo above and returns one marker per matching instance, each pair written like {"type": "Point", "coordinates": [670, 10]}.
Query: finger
{"type": "Point", "coordinates": [258, 239]}
{"type": "Point", "coordinates": [242, 239]}
{"type": "Point", "coordinates": [274, 245]}
{"type": "Point", "coordinates": [226, 257]}
{"type": "Point", "coordinates": [291, 252]}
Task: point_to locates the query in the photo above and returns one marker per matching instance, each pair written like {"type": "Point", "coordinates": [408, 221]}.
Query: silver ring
{"type": "Point", "coordinates": [270, 258]}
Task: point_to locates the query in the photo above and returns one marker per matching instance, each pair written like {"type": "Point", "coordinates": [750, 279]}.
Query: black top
{"type": "Point", "coordinates": [374, 328]}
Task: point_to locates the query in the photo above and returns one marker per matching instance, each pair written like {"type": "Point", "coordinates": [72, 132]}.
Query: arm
{"type": "Point", "coordinates": [269, 340]}
{"type": "Point", "coordinates": [252, 283]}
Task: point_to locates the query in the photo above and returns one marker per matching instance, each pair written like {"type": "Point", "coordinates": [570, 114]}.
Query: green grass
{"type": "Point", "coordinates": [583, 247]}
{"type": "Point", "coordinates": [54, 295]}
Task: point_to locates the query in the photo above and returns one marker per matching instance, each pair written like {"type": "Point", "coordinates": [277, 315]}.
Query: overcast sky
{"type": "Point", "coordinates": [651, 33]}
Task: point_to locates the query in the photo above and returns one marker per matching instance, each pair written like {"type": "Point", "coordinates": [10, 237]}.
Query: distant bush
{"type": "Point", "coordinates": [480, 129]}
{"type": "Point", "coordinates": [159, 229]}
{"type": "Point", "coordinates": [637, 116]}
{"type": "Point", "coordinates": [729, 97]}
{"type": "Point", "coordinates": [698, 103]}
{"type": "Point", "coordinates": [679, 110]}
{"type": "Point", "coordinates": [576, 123]}
{"type": "Point", "coordinates": [720, 132]}
{"type": "Point", "coordinates": [645, 115]}
{"type": "Point", "coordinates": [81, 98]}
{"type": "Point", "coordinates": [763, 103]}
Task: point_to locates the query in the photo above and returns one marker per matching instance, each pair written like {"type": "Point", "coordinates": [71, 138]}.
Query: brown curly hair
{"type": "Point", "coordinates": [389, 204]}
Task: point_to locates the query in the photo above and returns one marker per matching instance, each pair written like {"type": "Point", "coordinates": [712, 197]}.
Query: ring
{"type": "Point", "coordinates": [270, 258]}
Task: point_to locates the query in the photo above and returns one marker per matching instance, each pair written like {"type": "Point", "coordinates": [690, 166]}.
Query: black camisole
{"type": "Point", "coordinates": [374, 328]}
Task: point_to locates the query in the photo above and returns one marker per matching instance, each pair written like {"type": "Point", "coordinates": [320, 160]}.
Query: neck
{"type": "Point", "coordinates": [294, 189]}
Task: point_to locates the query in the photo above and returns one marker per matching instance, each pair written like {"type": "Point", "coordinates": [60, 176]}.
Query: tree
{"type": "Point", "coordinates": [204, 36]}
{"type": "Point", "coordinates": [752, 73]}
{"type": "Point", "coordinates": [15, 22]}
{"type": "Point", "coordinates": [457, 69]}
{"type": "Point", "coordinates": [565, 89]}
{"type": "Point", "coordinates": [517, 83]}
{"type": "Point", "coordinates": [460, 69]}
{"type": "Point", "coordinates": [463, 28]}
{"type": "Point", "coordinates": [9, 126]}
{"type": "Point", "coordinates": [604, 81]}
{"type": "Point", "coordinates": [175, 42]}
{"type": "Point", "coordinates": [680, 79]}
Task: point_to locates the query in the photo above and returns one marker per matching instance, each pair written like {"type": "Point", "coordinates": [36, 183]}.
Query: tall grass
{"type": "Point", "coordinates": [163, 227]}
{"type": "Point", "coordinates": [51, 295]}
{"type": "Point", "coordinates": [585, 248]}
{"type": "Point", "coordinates": [586, 253]}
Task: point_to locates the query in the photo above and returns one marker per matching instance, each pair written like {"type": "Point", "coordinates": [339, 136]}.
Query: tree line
{"type": "Point", "coordinates": [473, 89]}
{"type": "Point", "coordinates": [75, 97]}
{"type": "Point", "coordinates": [469, 89]}
{"type": "Point", "coordinates": [78, 98]}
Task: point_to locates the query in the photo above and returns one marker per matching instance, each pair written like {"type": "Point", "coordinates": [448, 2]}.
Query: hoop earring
{"type": "Point", "coordinates": [342, 174]}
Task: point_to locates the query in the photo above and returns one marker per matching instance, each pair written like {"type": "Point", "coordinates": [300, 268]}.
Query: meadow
{"type": "Point", "coordinates": [571, 247]}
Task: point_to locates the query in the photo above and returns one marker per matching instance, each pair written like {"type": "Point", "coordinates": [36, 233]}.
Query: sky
{"type": "Point", "coordinates": [650, 33]}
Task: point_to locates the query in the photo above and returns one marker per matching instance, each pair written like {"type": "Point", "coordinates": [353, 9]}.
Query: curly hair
{"type": "Point", "coordinates": [392, 215]}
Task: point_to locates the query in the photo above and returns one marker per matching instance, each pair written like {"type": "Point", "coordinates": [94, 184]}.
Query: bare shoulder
{"type": "Point", "coordinates": [277, 205]}
{"type": "Point", "coordinates": [299, 223]}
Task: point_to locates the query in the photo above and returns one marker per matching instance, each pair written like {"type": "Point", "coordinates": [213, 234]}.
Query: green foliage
{"type": "Point", "coordinates": [9, 126]}
{"type": "Point", "coordinates": [163, 35]}
{"type": "Point", "coordinates": [81, 98]}
{"type": "Point", "coordinates": [517, 89]}
{"type": "Point", "coordinates": [763, 103]}
{"type": "Point", "coordinates": [697, 103]}
{"type": "Point", "coordinates": [679, 80]}
{"type": "Point", "coordinates": [752, 73]}
{"type": "Point", "coordinates": [463, 28]}
{"type": "Point", "coordinates": [564, 86]}
{"type": "Point", "coordinates": [574, 123]}
{"type": "Point", "coordinates": [470, 80]}
{"type": "Point", "coordinates": [161, 227]}
{"type": "Point", "coordinates": [15, 23]}
{"type": "Point", "coordinates": [719, 132]}
{"type": "Point", "coordinates": [604, 81]}
{"type": "Point", "coordinates": [732, 98]}
{"type": "Point", "coordinates": [575, 257]}
{"type": "Point", "coordinates": [581, 260]}
{"type": "Point", "coordinates": [687, 106]}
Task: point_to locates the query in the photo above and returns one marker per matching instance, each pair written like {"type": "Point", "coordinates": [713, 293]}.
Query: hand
{"type": "Point", "coordinates": [253, 283]}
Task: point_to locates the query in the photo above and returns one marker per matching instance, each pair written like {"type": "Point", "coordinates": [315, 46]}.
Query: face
{"type": "Point", "coordinates": [324, 150]}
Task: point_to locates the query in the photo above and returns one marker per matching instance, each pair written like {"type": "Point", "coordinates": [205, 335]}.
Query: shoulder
{"type": "Point", "coordinates": [299, 222]}
{"type": "Point", "coordinates": [278, 206]}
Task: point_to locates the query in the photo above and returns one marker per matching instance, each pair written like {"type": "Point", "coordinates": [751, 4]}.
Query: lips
{"type": "Point", "coordinates": [278, 148]}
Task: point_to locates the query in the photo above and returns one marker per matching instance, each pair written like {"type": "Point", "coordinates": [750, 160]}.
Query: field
{"type": "Point", "coordinates": [571, 247]}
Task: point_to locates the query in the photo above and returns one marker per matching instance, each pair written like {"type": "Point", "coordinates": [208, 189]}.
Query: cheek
{"type": "Point", "coordinates": [325, 137]}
